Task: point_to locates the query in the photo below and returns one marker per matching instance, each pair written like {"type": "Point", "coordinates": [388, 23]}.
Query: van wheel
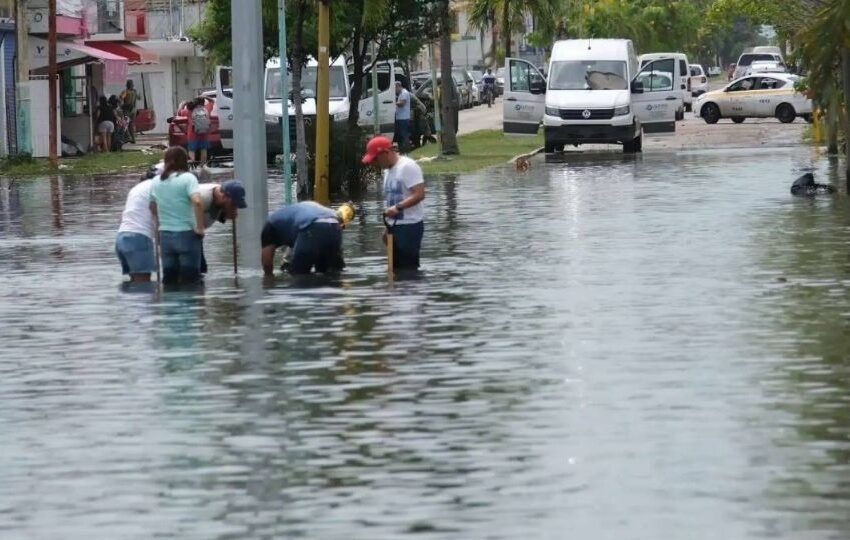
{"type": "Point", "coordinates": [786, 113]}
{"type": "Point", "coordinates": [710, 113]}
{"type": "Point", "coordinates": [548, 147]}
{"type": "Point", "coordinates": [738, 119]}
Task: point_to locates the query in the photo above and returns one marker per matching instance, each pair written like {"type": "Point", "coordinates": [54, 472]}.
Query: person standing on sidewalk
{"type": "Point", "coordinates": [199, 128]}
{"type": "Point", "coordinates": [402, 117]}
{"type": "Point", "coordinates": [129, 98]}
{"type": "Point", "coordinates": [404, 193]}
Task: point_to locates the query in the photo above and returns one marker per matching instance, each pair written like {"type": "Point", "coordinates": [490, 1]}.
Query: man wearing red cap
{"type": "Point", "coordinates": [404, 192]}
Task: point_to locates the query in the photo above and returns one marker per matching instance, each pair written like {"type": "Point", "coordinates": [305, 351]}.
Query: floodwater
{"type": "Point", "coordinates": [610, 348]}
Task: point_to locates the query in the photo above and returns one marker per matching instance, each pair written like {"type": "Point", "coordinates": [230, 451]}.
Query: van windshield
{"type": "Point", "coordinates": [747, 59]}
{"type": "Point", "coordinates": [309, 81]}
{"type": "Point", "coordinates": [588, 75]}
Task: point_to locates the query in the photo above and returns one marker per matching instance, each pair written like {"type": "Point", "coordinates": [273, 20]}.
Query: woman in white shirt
{"type": "Point", "coordinates": [134, 244]}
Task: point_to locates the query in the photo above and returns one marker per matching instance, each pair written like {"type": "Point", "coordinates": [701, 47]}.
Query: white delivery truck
{"type": "Point", "coordinates": [340, 91]}
{"type": "Point", "coordinates": [596, 93]}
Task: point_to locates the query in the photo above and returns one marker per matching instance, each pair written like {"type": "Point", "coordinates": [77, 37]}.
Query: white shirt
{"type": "Point", "coordinates": [211, 211]}
{"type": "Point", "coordinates": [398, 185]}
{"type": "Point", "coordinates": [137, 217]}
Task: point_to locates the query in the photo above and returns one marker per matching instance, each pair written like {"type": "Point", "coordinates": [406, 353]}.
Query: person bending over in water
{"type": "Point", "coordinates": [134, 244]}
{"type": "Point", "coordinates": [313, 231]}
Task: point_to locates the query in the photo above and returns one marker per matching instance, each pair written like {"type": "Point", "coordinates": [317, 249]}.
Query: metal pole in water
{"type": "Point", "coordinates": [437, 126]}
{"type": "Point", "coordinates": [321, 188]}
{"type": "Point", "coordinates": [249, 135]}
{"type": "Point", "coordinates": [284, 102]}
{"type": "Point", "coordinates": [52, 79]}
{"type": "Point", "coordinates": [376, 101]}
{"type": "Point", "coordinates": [4, 139]}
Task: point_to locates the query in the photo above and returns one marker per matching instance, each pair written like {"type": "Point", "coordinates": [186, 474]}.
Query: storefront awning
{"type": "Point", "coordinates": [133, 53]}
{"type": "Point", "coordinates": [71, 53]}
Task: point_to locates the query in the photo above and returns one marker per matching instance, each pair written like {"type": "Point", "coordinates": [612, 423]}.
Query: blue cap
{"type": "Point", "coordinates": [234, 190]}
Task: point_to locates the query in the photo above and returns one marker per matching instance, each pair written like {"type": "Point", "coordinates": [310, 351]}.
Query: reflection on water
{"type": "Point", "coordinates": [618, 348]}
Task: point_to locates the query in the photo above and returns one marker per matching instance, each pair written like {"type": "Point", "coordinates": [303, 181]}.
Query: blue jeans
{"type": "Point", "coordinates": [407, 242]}
{"type": "Point", "coordinates": [402, 134]}
{"type": "Point", "coordinates": [319, 246]}
{"type": "Point", "coordinates": [181, 256]}
{"type": "Point", "coordinates": [135, 252]}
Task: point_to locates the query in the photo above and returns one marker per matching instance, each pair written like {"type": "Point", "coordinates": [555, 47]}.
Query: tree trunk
{"type": "Point", "coordinates": [845, 71]}
{"type": "Point", "coordinates": [353, 148]}
{"type": "Point", "coordinates": [298, 55]}
{"type": "Point", "coordinates": [448, 105]}
{"type": "Point", "coordinates": [506, 27]}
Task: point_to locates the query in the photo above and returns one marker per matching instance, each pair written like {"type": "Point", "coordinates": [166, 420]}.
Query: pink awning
{"type": "Point", "coordinates": [71, 53]}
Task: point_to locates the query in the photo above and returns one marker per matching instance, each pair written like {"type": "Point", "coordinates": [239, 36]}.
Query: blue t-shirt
{"type": "Point", "coordinates": [283, 225]}
{"type": "Point", "coordinates": [403, 112]}
{"type": "Point", "coordinates": [173, 198]}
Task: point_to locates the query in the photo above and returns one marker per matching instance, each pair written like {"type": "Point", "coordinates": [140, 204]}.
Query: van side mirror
{"type": "Point", "coordinates": [537, 87]}
{"type": "Point", "coordinates": [637, 87]}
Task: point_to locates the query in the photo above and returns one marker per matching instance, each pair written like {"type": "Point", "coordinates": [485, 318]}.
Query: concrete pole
{"type": "Point", "coordinates": [284, 102]}
{"type": "Point", "coordinates": [321, 188]}
{"type": "Point", "coordinates": [53, 98]}
{"type": "Point", "coordinates": [249, 135]}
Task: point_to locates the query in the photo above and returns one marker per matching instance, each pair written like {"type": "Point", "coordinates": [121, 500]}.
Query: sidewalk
{"type": "Point", "coordinates": [480, 118]}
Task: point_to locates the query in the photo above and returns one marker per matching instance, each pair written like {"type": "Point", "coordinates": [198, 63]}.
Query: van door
{"type": "Point", "coordinates": [656, 106]}
{"type": "Point", "coordinates": [224, 104]}
{"type": "Point", "coordinates": [386, 99]}
{"type": "Point", "coordinates": [524, 99]}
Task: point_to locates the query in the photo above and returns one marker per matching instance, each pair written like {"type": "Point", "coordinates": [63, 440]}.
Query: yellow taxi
{"type": "Point", "coordinates": [764, 95]}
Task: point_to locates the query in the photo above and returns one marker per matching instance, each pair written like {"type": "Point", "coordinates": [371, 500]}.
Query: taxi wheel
{"type": "Point", "coordinates": [738, 119]}
{"type": "Point", "coordinates": [786, 113]}
{"type": "Point", "coordinates": [710, 113]}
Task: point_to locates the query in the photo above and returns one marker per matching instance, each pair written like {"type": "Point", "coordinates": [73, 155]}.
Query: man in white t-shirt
{"type": "Point", "coordinates": [134, 243]}
{"type": "Point", "coordinates": [404, 193]}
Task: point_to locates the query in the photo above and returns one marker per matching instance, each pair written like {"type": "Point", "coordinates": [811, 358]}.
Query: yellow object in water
{"type": "Point", "coordinates": [345, 213]}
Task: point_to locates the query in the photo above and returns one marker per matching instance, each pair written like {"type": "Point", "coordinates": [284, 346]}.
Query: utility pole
{"type": "Point", "coordinates": [53, 150]}
{"type": "Point", "coordinates": [284, 101]}
{"type": "Point", "coordinates": [437, 127]}
{"type": "Point", "coordinates": [22, 88]}
{"type": "Point", "coordinates": [249, 136]}
{"type": "Point", "coordinates": [321, 186]}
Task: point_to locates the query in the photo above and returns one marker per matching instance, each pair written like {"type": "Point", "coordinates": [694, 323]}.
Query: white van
{"type": "Point", "coordinates": [596, 93]}
{"type": "Point", "coordinates": [684, 78]}
{"type": "Point", "coordinates": [340, 88]}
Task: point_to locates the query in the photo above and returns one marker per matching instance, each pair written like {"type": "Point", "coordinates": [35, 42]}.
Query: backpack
{"type": "Point", "coordinates": [200, 120]}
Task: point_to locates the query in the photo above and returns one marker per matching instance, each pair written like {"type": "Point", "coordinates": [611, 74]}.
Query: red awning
{"type": "Point", "coordinates": [133, 53]}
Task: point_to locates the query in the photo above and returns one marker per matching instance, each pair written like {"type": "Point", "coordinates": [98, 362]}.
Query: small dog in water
{"type": "Point", "coordinates": [805, 186]}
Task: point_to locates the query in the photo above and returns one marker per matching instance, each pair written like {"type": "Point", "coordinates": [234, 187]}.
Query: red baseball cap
{"type": "Point", "coordinates": [375, 146]}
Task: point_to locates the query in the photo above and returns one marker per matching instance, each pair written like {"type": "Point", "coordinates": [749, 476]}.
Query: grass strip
{"type": "Point", "coordinates": [478, 150]}
{"type": "Point", "coordinates": [111, 163]}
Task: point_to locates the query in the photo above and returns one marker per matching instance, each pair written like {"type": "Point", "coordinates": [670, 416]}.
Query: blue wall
{"type": "Point", "coordinates": [7, 35]}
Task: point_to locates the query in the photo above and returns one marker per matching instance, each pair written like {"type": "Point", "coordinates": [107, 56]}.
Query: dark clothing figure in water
{"type": "Point", "coordinates": [805, 186]}
{"type": "Point", "coordinates": [314, 234]}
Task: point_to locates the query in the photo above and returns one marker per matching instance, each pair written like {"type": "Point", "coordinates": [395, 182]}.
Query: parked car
{"type": "Point", "coordinates": [464, 80]}
{"type": "Point", "coordinates": [426, 96]}
{"type": "Point", "coordinates": [747, 58]}
{"type": "Point", "coordinates": [762, 66]}
{"type": "Point", "coordinates": [699, 82]}
{"type": "Point", "coordinates": [479, 83]}
{"type": "Point", "coordinates": [500, 81]}
{"type": "Point", "coordinates": [178, 125]}
{"type": "Point", "coordinates": [756, 96]}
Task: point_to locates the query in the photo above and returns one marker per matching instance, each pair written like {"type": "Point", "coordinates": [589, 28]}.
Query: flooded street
{"type": "Point", "coordinates": [608, 348]}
